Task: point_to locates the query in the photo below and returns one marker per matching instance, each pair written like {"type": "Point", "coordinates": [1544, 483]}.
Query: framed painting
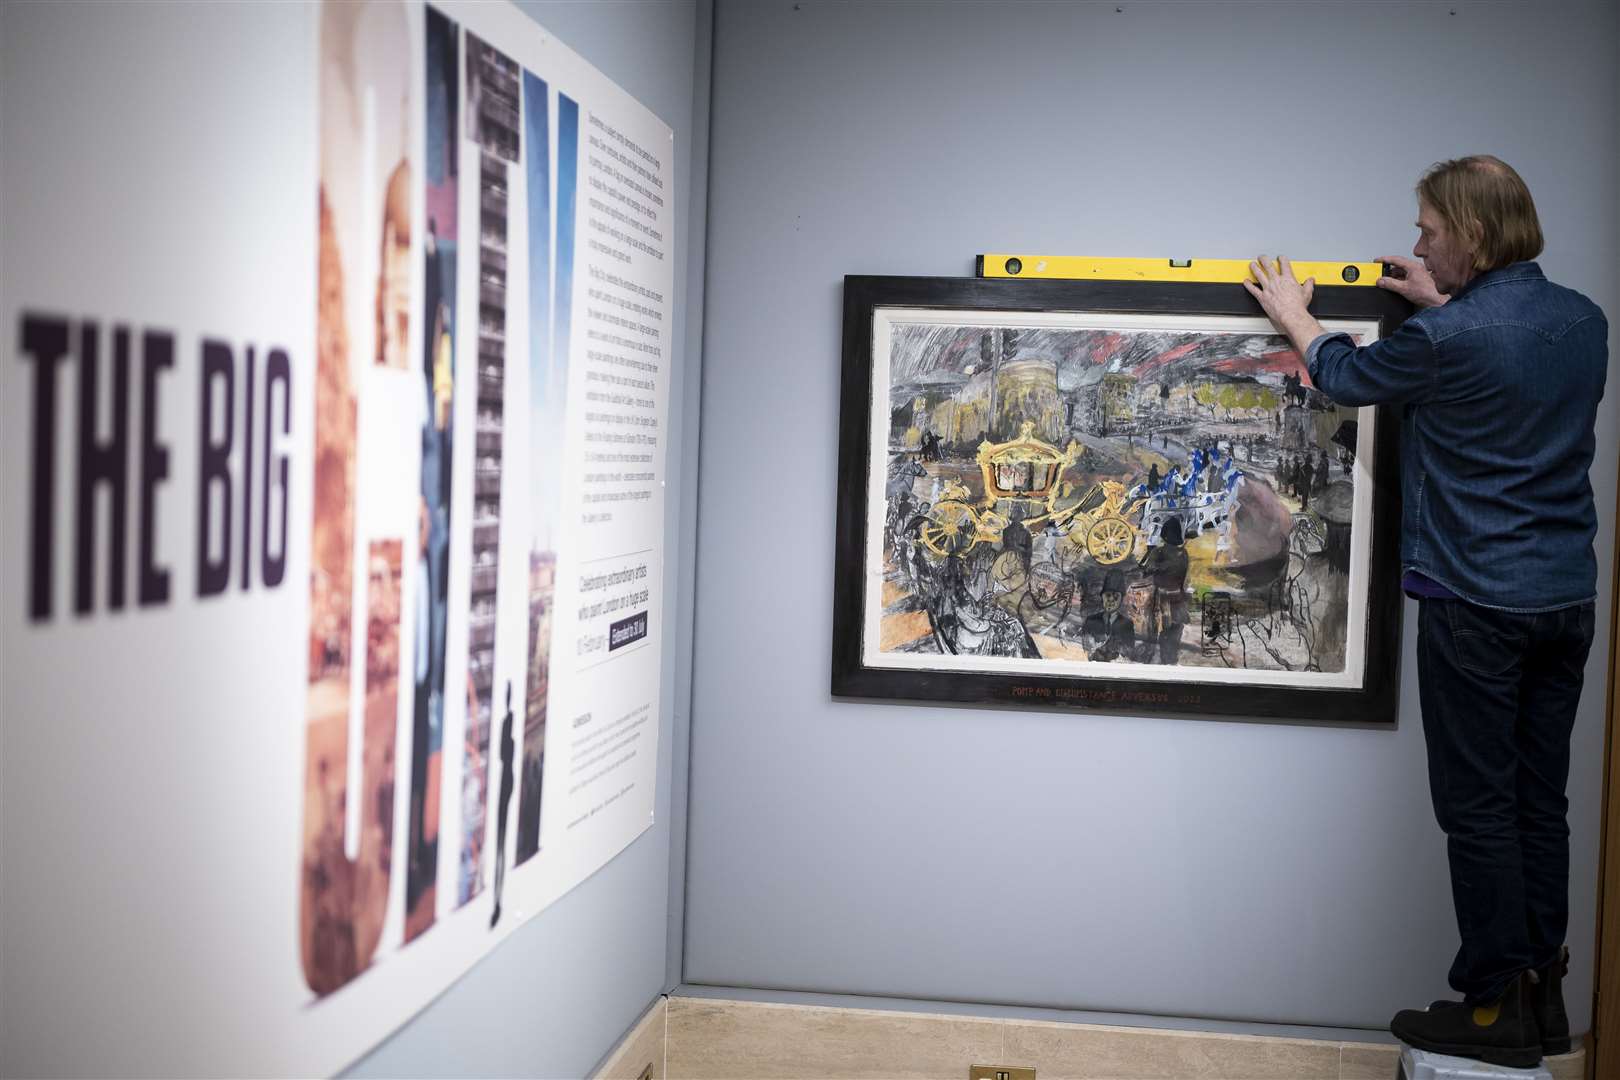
{"type": "Point", "coordinates": [1114, 495]}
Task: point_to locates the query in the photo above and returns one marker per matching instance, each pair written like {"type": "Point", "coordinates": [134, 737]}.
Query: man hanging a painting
{"type": "Point", "coordinates": [1499, 375]}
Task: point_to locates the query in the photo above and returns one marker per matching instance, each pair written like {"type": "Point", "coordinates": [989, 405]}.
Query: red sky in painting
{"type": "Point", "coordinates": [1104, 348]}
{"type": "Point", "coordinates": [1281, 362]}
{"type": "Point", "coordinates": [1278, 362]}
{"type": "Point", "coordinates": [1168, 356]}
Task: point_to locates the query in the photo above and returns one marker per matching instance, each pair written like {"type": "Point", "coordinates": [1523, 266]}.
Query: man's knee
{"type": "Point", "coordinates": [1480, 823]}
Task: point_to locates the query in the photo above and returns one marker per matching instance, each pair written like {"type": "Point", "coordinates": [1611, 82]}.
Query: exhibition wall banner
{"type": "Point", "coordinates": [338, 345]}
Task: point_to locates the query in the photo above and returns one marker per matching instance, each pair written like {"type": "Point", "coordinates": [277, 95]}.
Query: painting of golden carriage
{"type": "Point", "coordinates": [1077, 501]}
{"type": "Point", "coordinates": [1029, 473]}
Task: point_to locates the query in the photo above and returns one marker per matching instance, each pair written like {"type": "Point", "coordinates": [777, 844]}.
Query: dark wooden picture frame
{"type": "Point", "coordinates": [1019, 468]}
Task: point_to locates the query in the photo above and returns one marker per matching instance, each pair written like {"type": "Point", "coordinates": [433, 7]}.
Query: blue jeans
{"type": "Point", "coordinates": [1499, 691]}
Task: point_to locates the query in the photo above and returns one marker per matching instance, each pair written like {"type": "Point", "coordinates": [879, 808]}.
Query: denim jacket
{"type": "Point", "coordinates": [1500, 388]}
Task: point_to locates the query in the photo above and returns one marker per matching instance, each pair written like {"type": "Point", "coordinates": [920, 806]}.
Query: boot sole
{"type": "Point", "coordinates": [1527, 1058]}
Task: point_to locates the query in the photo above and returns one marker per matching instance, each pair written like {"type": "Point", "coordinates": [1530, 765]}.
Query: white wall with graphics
{"type": "Point", "coordinates": [160, 166]}
{"type": "Point", "coordinates": [1270, 872]}
{"type": "Point", "coordinates": [554, 999]}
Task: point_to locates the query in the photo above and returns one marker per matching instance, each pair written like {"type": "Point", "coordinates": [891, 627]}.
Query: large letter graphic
{"type": "Point", "coordinates": [365, 131]}
{"type": "Point", "coordinates": [548, 387]}
{"type": "Point", "coordinates": [492, 122]}
{"type": "Point", "coordinates": [437, 381]}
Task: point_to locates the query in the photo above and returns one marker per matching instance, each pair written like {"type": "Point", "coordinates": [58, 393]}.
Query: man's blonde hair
{"type": "Point", "coordinates": [1487, 205]}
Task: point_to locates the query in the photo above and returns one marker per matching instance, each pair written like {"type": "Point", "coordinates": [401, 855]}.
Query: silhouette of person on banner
{"type": "Point", "coordinates": [508, 751]}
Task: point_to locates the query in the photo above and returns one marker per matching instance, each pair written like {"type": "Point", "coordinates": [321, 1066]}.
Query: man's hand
{"type": "Point", "coordinates": [1285, 300]}
{"type": "Point", "coordinates": [1413, 282]}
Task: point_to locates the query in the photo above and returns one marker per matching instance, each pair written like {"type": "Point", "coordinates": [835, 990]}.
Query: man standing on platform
{"type": "Point", "coordinates": [1499, 376]}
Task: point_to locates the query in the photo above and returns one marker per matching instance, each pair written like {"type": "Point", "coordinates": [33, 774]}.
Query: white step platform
{"type": "Point", "coordinates": [1423, 1065]}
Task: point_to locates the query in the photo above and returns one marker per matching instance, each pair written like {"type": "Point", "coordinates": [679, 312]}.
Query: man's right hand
{"type": "Point", "coordinates": [1413, 282]}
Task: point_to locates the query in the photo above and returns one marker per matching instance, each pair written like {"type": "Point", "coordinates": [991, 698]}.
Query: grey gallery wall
{"type": "Point", "coordinates": [554, 999]}
{"type": "Point", "coordinates": [1260, 871]}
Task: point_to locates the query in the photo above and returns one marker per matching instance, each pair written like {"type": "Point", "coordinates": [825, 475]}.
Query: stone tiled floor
{"type": "Point", "coordinates": [716, 1039]}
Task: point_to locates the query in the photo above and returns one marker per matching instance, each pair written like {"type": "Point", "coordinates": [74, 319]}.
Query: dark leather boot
{"type": "Point", "coordinates": [1502, 1033]}
{"type": "Point", "coordinates": [1547, 1002]}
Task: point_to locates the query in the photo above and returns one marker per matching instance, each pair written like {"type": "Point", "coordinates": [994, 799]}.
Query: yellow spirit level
{"type": "Point", "coordinates": [1218, 270]}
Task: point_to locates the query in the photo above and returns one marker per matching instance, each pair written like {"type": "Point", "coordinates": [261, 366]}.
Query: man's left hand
{"type": "Point", "coordinates": [1277, 290]}
{"type": "Point", "coordinates": [1284, 299]}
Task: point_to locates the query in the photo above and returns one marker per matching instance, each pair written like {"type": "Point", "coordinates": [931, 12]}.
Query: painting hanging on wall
{"type": "Point", "coordinates": [1124, 496]}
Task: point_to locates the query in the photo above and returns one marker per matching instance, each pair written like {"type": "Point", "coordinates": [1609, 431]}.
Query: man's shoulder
{"type": "Point", "coordinates": [1568, 301]}
{"type": "Point", "coordinates": [1579, 305]}
{"type": "Point", "coordinates": [1526, 300]}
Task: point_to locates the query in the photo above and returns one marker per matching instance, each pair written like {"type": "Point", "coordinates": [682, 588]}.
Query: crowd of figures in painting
{"type": "Point", "coordinates": [1149, 497]}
